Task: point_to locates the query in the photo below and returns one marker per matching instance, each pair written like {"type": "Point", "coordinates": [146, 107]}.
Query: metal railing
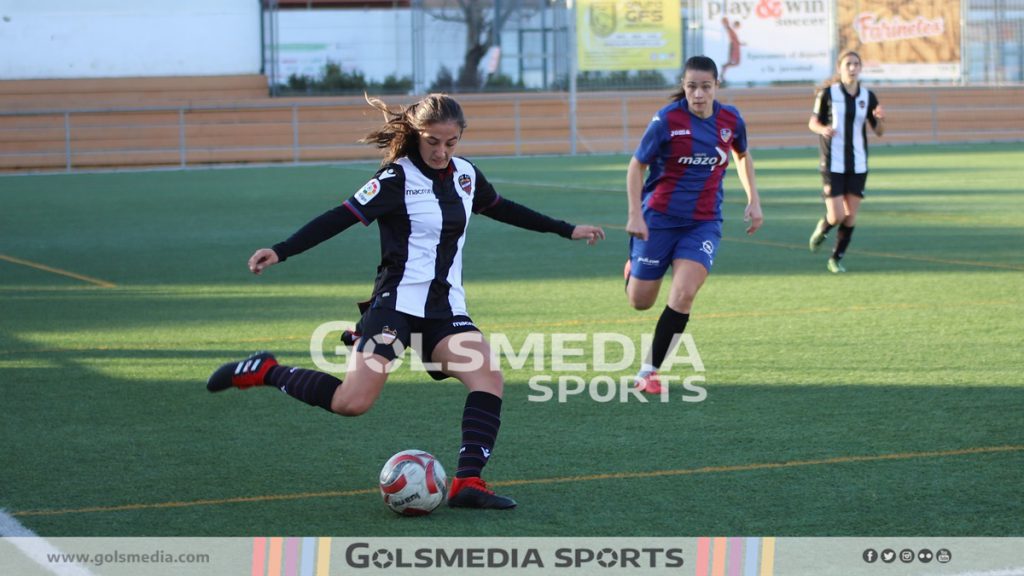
{"type": "Point", "coordinates": [307, 130]}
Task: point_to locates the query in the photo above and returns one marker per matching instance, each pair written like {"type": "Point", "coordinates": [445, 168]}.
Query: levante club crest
{"type": "Point", "coordinates": [602, 18]}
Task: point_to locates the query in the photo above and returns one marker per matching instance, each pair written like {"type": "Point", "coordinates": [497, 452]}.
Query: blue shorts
{"type": "Point", "coordinates": [649, 259]}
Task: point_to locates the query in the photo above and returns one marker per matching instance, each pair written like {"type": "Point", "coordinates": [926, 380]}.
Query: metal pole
{"type": "Point", "coordinates": [963, 43]}
{"type": "Point", "coordinates": [519, 128]}
{"type": "Point", "coordinates": [295, 133]}
{"type": "Point", "coordinates": [544, 47]}
{"type": "Point", "coordinates": [274, 40]}
{"type": "Point", "coordinates": [833, 32]}
{"type": "Point", "coordinates": [572, 80]}
{"type": "Point", "coordinates": [935, 118]}
{"type": "Point", "coordinates": [625, 125]}
{"type": "Point", "coordinates": [67, 141]}
{"type": "Point", "coordinates": [182, 154]}
{"type": "Point", "coordinates": [419, 81]}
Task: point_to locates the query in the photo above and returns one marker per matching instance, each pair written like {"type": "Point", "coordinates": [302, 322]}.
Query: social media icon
{"type": "Point", "coordinates": [924, 555]}
{"type": "Point", "coordinates": [906, 555]}
{"type": "Point", "coordinates": [888, 556]}
{"type": "Point", "coordinates": [870, 555]}
{"type": "Point", "coordinates": [943, 556]}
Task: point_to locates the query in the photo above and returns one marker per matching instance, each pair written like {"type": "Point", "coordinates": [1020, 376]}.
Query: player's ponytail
{"type": "Point", "coordinates": [399, 135]}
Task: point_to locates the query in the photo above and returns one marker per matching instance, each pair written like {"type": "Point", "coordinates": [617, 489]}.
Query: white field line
{"type": "Point", "coordinates": [39, 550]}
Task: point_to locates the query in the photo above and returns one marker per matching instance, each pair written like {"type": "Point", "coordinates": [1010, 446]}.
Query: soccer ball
{"type": "Point", "coordinates": [413, 483]}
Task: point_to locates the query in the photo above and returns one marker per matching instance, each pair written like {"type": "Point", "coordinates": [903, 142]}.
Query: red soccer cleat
{"type": "Point", "coordinates": [649, 383]}
{"type": "Point", "coordinates": [473, 492]}
{"type": "Point", "coordinates": [244, 374]}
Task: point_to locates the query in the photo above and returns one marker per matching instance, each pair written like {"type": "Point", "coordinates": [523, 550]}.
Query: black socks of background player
{"type": "Point", "coordinates": [824, 226]}
{"type": "Point", "coordinates": [670, 325]}
{"type": "Point", "coordinates": [312, 387]}
{"type": "Point", "coordinates": [842, 241]}
{"type": "Point", "coordinates": [481, 419]}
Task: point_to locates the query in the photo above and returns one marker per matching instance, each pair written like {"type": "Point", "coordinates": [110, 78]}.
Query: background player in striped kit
{"type": "Point", "coordinates": [422, 199]}
{"type": "Point", "coordinates": [842, 109]}
{"type": "Point", "coordinates": [675, 216]}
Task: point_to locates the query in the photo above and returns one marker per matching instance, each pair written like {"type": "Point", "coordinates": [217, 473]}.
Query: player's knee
{"type": "Point", "coordinates": [682, 300]}
{"type": "Point", "coordinates": [351, 406]}
{"type": "Point", "coordinates": [640, 299]}
{"type": "Point", "coordinates": [640, 302]}
{"type": "Point", "coordinates": [490, 381]}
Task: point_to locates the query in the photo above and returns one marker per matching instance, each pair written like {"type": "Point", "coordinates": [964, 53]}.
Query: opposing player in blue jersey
{"type": "Point", "coordinates": [675, 215]}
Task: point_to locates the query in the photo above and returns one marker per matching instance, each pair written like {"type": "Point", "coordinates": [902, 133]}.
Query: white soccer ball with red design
{"type": "Point", "coordinates": [413, 483]}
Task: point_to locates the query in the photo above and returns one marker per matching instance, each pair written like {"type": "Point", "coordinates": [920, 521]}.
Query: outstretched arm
{"type": "Point", "coordinates": [317, 230]}
{"type": "Point", "coordinates": [510, 212]}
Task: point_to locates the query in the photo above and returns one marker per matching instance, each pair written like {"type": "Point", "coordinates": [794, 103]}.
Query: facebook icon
{"type": "Point", "coordinates": [870, 555]}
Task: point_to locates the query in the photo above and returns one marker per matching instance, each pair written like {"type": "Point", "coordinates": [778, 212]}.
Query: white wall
{"type": "Point", "coordinates": [377, 43]}
{"type": "Point", "coordinates": [111, 38]}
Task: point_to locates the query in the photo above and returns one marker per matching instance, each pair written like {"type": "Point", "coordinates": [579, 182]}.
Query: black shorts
{"type": "Point", "coordinates": [389, 332]}
{"type": "Point", "coordinates": [843, 184]}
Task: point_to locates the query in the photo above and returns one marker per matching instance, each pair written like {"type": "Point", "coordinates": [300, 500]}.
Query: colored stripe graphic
{"type": "Point", "coordinates": [753, 553]}
{"type": "Point", "coordinates": [308, 556]}
{"type": "Point", "coordinates": [767, 556]}
{"type": "Point", "coordinates": [274, 557]}
{"type": "Point", "coordinates": [703, 553]}
{"type": "Point", "coordinates": [291, 557]}
{"type": "Point", "coordinates": [718, 548]}
{"type": "Point", "coordinates": [735, 557]}
{"type": "Point", "coordinates": [259, 556]}
{"type": "Point", "coordinates": [323, 557]}
{"type": "Point", "coordinates": [735, 563]}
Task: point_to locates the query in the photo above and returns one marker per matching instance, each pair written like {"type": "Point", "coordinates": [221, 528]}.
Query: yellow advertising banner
{"type": "Point", "coordinates": [903, 39]}
{"type": "Point", "coordinates": [628, 34]}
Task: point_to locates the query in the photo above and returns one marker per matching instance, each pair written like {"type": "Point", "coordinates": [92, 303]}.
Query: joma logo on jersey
{"type": "Point", "coordinates": [683, 132]}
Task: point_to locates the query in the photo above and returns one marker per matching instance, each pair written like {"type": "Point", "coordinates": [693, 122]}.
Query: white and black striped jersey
{"type": "Point", "coordinates": [422, 215]}
{"type": "Point", "coordinates": [847, 151]}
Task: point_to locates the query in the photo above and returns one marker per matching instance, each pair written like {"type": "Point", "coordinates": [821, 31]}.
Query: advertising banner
{"type": "Point", "coordinates": [768, 40]}
{"type": "Point", "coordinates": [903, 39]}
{"type": "Point", "coordinates": [628, 35]}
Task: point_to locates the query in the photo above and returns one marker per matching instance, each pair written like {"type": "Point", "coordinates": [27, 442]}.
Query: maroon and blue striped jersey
{"type": "Point", "coordinates": [687, 157]}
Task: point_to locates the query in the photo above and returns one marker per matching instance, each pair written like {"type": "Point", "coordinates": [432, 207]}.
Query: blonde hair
{"type": "Point", "coordinates": [402, 125]}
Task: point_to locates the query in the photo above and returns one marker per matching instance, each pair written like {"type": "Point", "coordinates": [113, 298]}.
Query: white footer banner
{"type": "Point", "coordinates": [328, 556]}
